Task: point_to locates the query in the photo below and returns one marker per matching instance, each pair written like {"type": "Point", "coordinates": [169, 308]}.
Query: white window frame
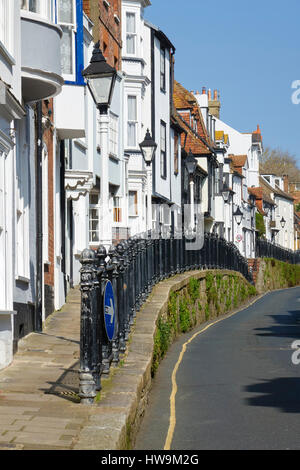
{"type": "Point", "coordinates": [5, 14]}
{"type": "Point", "coordinates": [135, 122]}
{"type": "Point", "coordinates": [163, 152]}
{"type": "Point", "coordinates": [114, 135]}
{"type": "Point", "coordinates": [95, 207]}
{"type": "Point", "coordinates": [136, 203]}
{"type": "Point", "coordinates": [73, 27]}
{"type": "Point", "coordinates": [45, 8]}
{"type": "Point", "coordinates": [117, 209]}
{"type": "Point", "coordinates": [132, 34]}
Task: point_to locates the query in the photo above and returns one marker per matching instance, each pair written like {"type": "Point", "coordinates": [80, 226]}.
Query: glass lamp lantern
{"type": "Point", "coordinates": [191, 164]}
{"type": "Point", "coordinates": [100, 78]}
{"type": "Point", "coordinates": [225, 193]}
{"type": "Point", "coordinates": [282, 222]}
{"type": "Point", "coordinates": [148, 148]}
{"type": "Point", "coordinates": [238, 215]}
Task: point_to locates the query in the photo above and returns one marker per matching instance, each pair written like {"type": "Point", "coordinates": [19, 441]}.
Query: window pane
{"type": "Point", "coordinates": [66, 51]}
{"type": "Point", "coordinates": [163, 137]}
{"type": "Point", "coordinates": [162, 69]}
{"type": "Point", "coordinates": [130, 23]}
{"type": "Point", "coordinates": [132, 203]}
{"type": "Point", "coordinates": [65, 11]}
{"type": "Point", "coordinates": [132, 114]}
{"type": "Point", "coordinates": [130, 44]}
{"type": "Point", "coordinates": [131, 137]}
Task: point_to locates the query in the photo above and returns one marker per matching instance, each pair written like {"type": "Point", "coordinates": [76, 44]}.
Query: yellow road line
{"type": "Point", "coordinates": [172, 422]}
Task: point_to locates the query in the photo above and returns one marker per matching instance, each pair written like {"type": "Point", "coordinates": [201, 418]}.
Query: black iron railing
{"type": "Point", "coordinates": [132, 268]}
{"type": "Point", "coordinates": [266, 249]}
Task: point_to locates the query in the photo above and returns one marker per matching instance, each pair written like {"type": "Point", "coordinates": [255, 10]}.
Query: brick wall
{"type": "Point", "coordinates": [107, 28]}
{"type": "Point", "coordinates": [48, 140]}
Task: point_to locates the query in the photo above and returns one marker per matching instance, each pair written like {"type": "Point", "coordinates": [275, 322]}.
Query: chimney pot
{"type": "Point", "coordinates": [204, 91]}
{"type": "Point", "coordinates": [209, 94]}
{"type": "Point", "coordinates": [216, 95]}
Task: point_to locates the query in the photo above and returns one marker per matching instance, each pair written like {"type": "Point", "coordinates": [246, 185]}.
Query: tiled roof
{"type": "Point", "coordinates": [238, 160]}
{"type": "Point", "coordinates": [191, 142]}
{"type": "Point", "coordinates": [184, 100]}
{"type": "Point", "coordinates": [269, 189]}
{"type": "Point", "coordinates": [257, 192]}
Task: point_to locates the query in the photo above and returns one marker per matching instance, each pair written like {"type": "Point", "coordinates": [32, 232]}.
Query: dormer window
{"type": "Point", "coordinates": [130, 33]}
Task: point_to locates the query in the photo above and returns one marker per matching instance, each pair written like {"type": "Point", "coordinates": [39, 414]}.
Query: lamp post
{"type": "Point", "coordinates": [238, 215]}
{"type": "Point", "coordinates": [191, 165]}
{"type": "Point", "coordinates": [148, 148]}
{"type": "Point", "coordinates": [101, 79]}
{"type": "Point", "coordinates": [282, 222]}
{"type": "Point", "coordinates": [225, 193]}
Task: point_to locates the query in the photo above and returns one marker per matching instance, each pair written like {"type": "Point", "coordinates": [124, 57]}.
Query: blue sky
{"type": "Point", "coordinates": [249, 51]}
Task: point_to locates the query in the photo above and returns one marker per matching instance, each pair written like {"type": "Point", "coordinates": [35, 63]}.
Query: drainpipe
{"type": "Point", "coordinates": [39, 221]}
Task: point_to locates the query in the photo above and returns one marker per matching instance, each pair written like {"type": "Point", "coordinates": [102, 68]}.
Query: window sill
{"type": "Point", "coordinates": [134, 216]}
{"type": "Point", "coordinates": [8, 312]}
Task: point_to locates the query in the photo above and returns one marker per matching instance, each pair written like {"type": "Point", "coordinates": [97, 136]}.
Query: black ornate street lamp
{"type": "Point", "coordinates": [238, 215]}
{"type": "Point", "coordinates": [225, 193]}
{"type": "Point", "coordinates": [100, 78]}
{"type": "Point", "coordinates": [191, 165]}
{"type": "Point", "coordinates": [282, 222]}
{"type": "Point", "coordinates": [148, 148]}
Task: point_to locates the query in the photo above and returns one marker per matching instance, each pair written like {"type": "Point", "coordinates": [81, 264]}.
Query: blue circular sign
{"type": "Point", "coordinates": [109, 310]}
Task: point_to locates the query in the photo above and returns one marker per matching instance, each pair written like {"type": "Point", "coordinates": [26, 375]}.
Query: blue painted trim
{"type": "Point", "coordinates": [79, 43]}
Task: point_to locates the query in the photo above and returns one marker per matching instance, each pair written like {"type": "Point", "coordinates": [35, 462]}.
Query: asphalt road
{"type": "Point", "coordinates": [237, 385]}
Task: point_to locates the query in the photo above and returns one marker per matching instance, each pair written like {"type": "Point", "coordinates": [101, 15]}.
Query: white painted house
{"type": "Point", "coordinates": [27, 75]}
{"type": "Point", "coordinates": [147, 65]}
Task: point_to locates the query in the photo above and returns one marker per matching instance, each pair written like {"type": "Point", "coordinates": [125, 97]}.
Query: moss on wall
{"type": "Point", "coordinates": [200, 300]}
{"type": "Point", "coordinates": [274, 274]}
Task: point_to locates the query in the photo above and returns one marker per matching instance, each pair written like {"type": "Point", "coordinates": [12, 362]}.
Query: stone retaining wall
{"type": "Point", "coordinates": [174, 307]}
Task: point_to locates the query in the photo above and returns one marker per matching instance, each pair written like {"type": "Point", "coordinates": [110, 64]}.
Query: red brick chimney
{"type": "Point", "coordinates": [286, 183]}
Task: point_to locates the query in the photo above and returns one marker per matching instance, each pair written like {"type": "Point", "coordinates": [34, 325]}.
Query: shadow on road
{"type": "Point", "coordinates": [286, 326]}
{"type": "Point", "coordinates": [282, 393]}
